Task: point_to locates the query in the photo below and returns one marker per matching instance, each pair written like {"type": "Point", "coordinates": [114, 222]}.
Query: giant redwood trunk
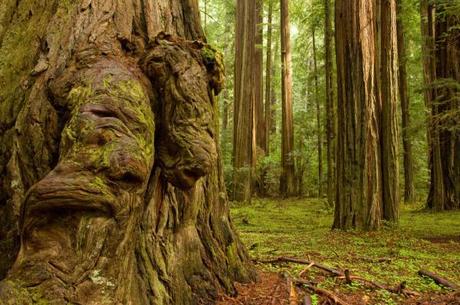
{"type": "Point", "coordinates": [442, 77]}
{"type": "Point", "coordinates": [359, 184]}
{"type": "Point", "coordinates": [111, 188]}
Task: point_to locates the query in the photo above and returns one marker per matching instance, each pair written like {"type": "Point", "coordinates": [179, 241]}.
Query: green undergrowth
{"type": "Point", "coordinates": [302, 228]}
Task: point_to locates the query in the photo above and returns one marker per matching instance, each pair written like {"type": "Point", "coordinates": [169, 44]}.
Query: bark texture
{"type": "Point", "coordinates": [409, 189]}
{"type": "Point", "coordinates": [268, 79]}
{"type": "Point", "coordinates": [330, 109]}
{"type": "Point", "coordinates": [359, 184]}
{"type": "Point", "coordinates": [244, 125]}
{"type": "Point", "coordinates": [258, 75]}
{"type": "Point", "coordinates": [287, 180]}
{"type": "Point", "coordinates": [442, 76]}
{"type": "Point", "coordinates": [389, 103]}
{"type": "Point", "coordinates": [318, 119]}
{"type": "Point", "coordinates": [112, 189]}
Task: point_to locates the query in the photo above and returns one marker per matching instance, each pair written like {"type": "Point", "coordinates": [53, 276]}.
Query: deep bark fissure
{"type": "Point", "coordinates": [143, 217]}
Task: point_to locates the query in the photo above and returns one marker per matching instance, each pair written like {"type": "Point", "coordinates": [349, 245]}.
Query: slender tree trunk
{"type": "Point", "coordinates": [268, 79]}
{"type": "Point", "coordinates": [442, 77]}
{"type": "Point", "coordinates": [428, 46]}
{"type": "Point", "coordinates": [225, 109]}
{"type": "Point", "coordinates": [111, 184]}
{"type": "Point", "coordinates": [318, 120]}
{"type": "Point", "coordinates": [276, 53]}
{"type": "Point", "coordinates": [244, 145]}
{"type": "Point", "coordinates": [259, 74]}
{"type": "Point", "coordinates": [229, 52]}
{"type": "Point", "coordinates": [330, 112]}
{"type": "Point", "coordinates": [389, 104]}
{"type": "Point", "coordinates": [409, 190]}
{"type": "Point", "coordinates": [359, 184]}
{"type": "Point", "coordinates": [287, 180]}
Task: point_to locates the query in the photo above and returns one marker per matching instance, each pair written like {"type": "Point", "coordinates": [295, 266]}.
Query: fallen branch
{"type": "Point", "coordinates": [400, 289]}
{"type": "Point", "coordinates": [321, 291]}
{"type": "Point", "coordinates": [283, 259]}
{"type": "Point", "coordinates": [438, 279]}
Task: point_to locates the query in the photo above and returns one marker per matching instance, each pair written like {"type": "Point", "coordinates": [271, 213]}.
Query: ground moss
{"type": "Point", "coordinates": [302, 228]}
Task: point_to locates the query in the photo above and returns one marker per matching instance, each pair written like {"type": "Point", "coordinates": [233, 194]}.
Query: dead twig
{"type": "Point", "coordinates": [302, 273]}
{"type": "Point", "coordinates": [323, 292]}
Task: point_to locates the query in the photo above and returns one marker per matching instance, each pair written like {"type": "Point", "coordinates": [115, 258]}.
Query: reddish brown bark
{"type": "Point", "coordinates": [409, 189]}
{"type": "Point", "coordinates": [442, 75]}
{"type": "Point", "coordinates": [244, 124]}
{"type": "Point", "coordinates": [359, 184]}
{"type": "Point", "coordinates": [330, 109]}
{"type": "Point", "coordinates": [389, 103]}
{"type": "Point", "coordinates": [258, 75]}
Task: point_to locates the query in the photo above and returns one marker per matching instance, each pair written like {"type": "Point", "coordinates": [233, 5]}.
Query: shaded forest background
{"type": "Point", "coordinates": [309, 92]}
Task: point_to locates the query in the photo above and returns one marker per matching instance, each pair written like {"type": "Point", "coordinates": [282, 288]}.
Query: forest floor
{"type": "Point", "coordinates": [302, 229]}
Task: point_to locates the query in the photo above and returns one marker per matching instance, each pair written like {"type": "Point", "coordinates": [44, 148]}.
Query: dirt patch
{"type": "Point", "coordinates": [272, 289]}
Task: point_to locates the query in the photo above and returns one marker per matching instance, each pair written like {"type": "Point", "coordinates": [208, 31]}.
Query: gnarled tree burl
{"type": "Point", "coordinates": [111, 188]}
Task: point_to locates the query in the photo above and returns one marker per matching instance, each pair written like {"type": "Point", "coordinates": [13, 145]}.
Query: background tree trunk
{"type": "Point", "coordinates": [287, 180]}
{"type": "Point", "coordinates": [276, 56]}
{"type": "Point", "coordinates": [259, 75]}
{"type": "Point", "coordinates": [389, 102]}
{"type": "Point", "coordinates": [359, 183]}
{"type": "Point", "coordinates": [318, 120]}
{"type": "Point", "coordinates": [442, 75]}
{"type": "Point", "coordinates": [268, 79]}
{"type": "Point", "coordinates": [244, 145]}
{"type": "Point", "coordinates": [330, 112]}
{"type": "Point", "coordinates": [409, 190]}
{"type": "Point", "coordinates": [176, 244]}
